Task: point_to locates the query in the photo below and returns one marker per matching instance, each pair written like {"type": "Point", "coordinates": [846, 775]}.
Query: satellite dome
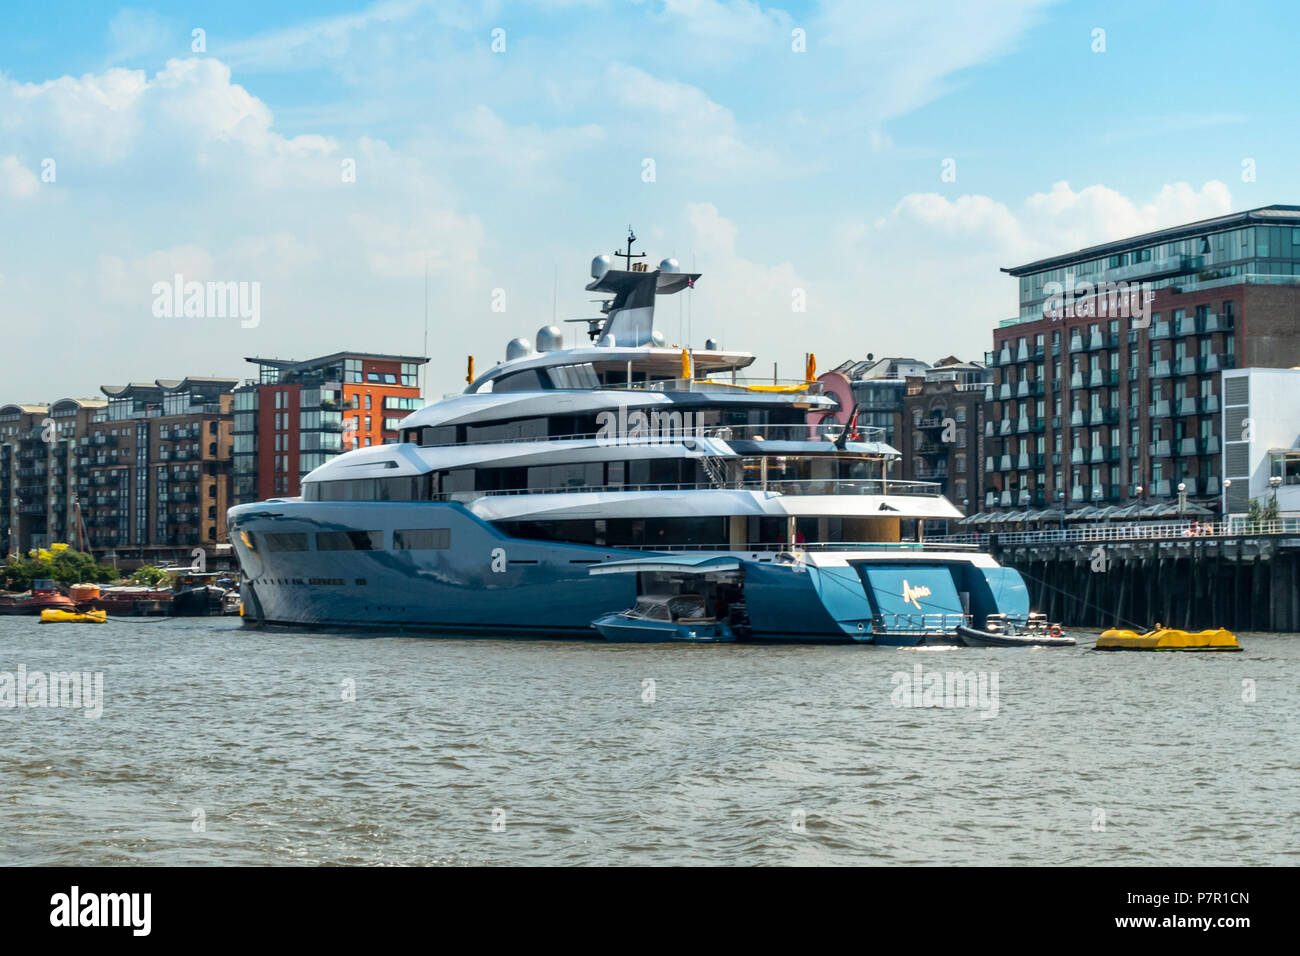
{"type": "Point", "coordinates": [518, 348]}
{"type": "Point", "coordinates": [669, 265]}
{"type": "Point", "coordinates": [711, 345]}
{"type": "Point", "coordinates": [657, 338]}
{"type": "Point", "coordinates": [600, 265]}
{"type": "Point", "coordinates": [549, 339]}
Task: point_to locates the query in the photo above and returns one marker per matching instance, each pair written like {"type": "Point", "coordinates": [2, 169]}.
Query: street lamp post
{"type": "Point", "coordinates": [1182, 498]}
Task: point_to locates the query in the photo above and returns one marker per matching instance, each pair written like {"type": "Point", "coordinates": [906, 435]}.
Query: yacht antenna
{"type": "Point", "coordinates": [631, 238]}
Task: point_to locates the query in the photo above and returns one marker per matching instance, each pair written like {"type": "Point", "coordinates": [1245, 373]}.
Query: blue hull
{"type": "Point", "coordinates": [485, 583]}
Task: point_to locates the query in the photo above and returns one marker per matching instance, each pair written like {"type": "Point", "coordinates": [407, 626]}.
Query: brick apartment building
{"type": "Point", "coordinates": [297, 415]}
{"type": "Point", "coordinates": [943, 410]}
{"type": "Point", "coordinates": [1090, 407]}
{"type": "Point", "coordinates": [139, 476]}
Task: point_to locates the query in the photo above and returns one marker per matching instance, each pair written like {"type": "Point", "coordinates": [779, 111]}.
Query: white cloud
{"type": "Point", "coordinates": [745, 304]}
{"type": "Point", "coordinates": [16, 180]}
{"type": "Point", "coordinates": [93, 117]}
{"type": "Point", "coordinates": [926, 277]}
{"type": "Point", "coordinates": [724, 26]}
{"type": "Point", "coordinates": [135, 33]}
{"type": "Point", "coordinates": [1059, 220]}
{"type": "Point", "coordinates": [677, 122]}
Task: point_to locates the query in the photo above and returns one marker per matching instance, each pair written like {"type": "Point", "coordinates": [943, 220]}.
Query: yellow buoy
{"type": "Point", "coordinates": [1168, 639]}
{"type": "Point", "coordinates": [55, 616]}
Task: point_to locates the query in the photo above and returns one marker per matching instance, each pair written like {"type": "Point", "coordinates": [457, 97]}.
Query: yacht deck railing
{"type": "Point", "coordinates": [810, 486]}
{"type": "Point", "coordinates": [676, 434]}
{"type": "Point", "coordinates": [814, 546]}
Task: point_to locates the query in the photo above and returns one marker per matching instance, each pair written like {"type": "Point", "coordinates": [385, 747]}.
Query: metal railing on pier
{"type": "Point", "coordinates": [1156, 530]}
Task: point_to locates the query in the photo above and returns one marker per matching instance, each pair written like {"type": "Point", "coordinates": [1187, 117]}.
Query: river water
{"type": "Point", "coordinates": [224, 745]}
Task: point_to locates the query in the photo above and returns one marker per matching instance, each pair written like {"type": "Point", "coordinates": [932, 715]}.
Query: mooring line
{"type": "Point", "coordinates": [1104, 611]}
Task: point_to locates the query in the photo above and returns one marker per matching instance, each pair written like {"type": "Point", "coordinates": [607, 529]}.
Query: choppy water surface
{"type": "Point", "coordinates": [745, 755]}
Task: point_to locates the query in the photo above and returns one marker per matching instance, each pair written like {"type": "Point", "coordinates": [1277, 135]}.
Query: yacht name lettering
{"type": "Point", "coordinates": [910, 594]}
{"type": "Point", "coordinates": [626, 427]}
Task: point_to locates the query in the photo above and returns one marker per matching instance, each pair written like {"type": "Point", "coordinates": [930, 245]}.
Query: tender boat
{"type": "Point", "coordinates": [664, 617]}
{"type": "Point", "coordinates": [1167, 639]}
{"type": "Point", "coordinates": [54, 616]}
{"type": "Point", "coordinates": [972, 637]}
{"type": "Point", "coordinates": [565, 483]}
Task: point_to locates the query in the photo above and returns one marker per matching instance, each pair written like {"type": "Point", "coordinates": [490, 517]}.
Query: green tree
{"type": "Point", "coordinates": [57, 563]}
{"type": "Point", "coordinates": [1254, 515]}
{"type": "Point", "coordinates": [148, 575]}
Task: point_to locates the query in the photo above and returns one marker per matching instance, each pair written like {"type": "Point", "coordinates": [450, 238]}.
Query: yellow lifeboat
{"type": "Point", "coordinates": [54, 616]}
{"type": "Point", "coordinates": [1168, 639]}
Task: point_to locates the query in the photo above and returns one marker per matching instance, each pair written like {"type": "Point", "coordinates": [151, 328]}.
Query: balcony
{"type": "Point", "coordinates": [989, 465]}
{"type": "Point", "coordinates": [1186, 406]}
{"type": "Point", "coordinates": [1004, 426]}
{"type": "Point", "coordinates": [1158, 449]}
{"type": "Point", "coordinates": [1076, 418]}
{"type": "Point", "coordinates": [1158, 409]}
{"type": "Point", "coordinates": [1211, 485]}
{"type": "Point", "coordinates": [1208, 363]}
{"type": "Point", "coordinates": [1160, 330]}
{"type": "Point", "coordinates": [1185, 366]}
{"type": "Point", "coordinates": [1186, 447]}
{"type": "Point", "coordinates": [1005, 463]}
{"type": "Point", "coordinates": [1022, 425]}
{"type": "Point", "coordinates": [1076, 343]}
{"type": "Point", "coordinates": [1076, 456]}
{"type": "Point", "coordinates": [1160, 489]}
{"type": "Point", "coordinates": [1159, 369]}
{"type": "Point", "coordinates": [988, 429]}
{"type": "Point", "coordinates": [1210, 445]}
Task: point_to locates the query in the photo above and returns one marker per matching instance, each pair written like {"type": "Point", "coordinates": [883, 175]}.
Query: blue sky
{"type": "Point", "coordinates": [774, 170]}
